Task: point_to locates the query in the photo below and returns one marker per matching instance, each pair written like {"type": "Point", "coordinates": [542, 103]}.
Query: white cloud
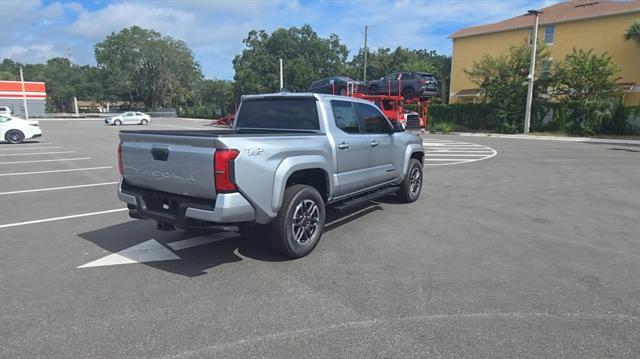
{"type": "Point", "coordinates": [34, 53]}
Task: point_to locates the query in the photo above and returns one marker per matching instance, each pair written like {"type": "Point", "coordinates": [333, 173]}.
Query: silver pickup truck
{"type": "Point", "coordinates": [287, 157]}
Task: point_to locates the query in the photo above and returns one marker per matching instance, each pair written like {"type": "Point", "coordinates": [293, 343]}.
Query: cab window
{"type": "Point", "coordinates": [345, 117]}
{"type": "Point", "coordinates": [373, 120]}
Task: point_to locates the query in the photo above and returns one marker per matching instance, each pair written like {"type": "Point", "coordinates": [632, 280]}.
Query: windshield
{"type": "Point", "coordinates": [279, 113]}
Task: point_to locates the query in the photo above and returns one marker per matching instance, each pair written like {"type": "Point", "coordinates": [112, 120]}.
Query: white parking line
{"type": "Point", "coordinates": [62, 218]}
{"type": "Point", "coordinates": [35, 153]}
{"type": "Point", "coordinates": [55, 171]}
{"type": "Point", "coordinates": [58, 188]}
{"type": "Point", "coordinates": [37, 161]}
{"type": "Point", "coordinates": [29, 148]}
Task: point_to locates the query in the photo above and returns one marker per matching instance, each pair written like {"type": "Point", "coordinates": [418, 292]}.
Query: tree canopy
{"type": "Point", "coordinates": [307, 57]}
{"type": "Point", "coordinates": [159, 71]}
{"type": "Point", "coordinates": [145, 69]}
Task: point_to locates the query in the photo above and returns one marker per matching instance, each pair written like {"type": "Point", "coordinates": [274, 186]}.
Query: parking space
{"type": "Point", "coordinates": [515, 247]}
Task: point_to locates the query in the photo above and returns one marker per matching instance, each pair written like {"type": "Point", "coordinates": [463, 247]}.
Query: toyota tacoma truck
{"type": "Point", "coordinates": [286, 159]}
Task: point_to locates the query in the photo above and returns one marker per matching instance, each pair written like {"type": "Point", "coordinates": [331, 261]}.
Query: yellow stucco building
{"type": "Point", "coordinates": [581, 24]}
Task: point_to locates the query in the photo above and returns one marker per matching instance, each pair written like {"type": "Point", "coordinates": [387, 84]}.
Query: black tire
{"type": "Point", "coordinates": [14, 136]}
{"type": "Point", "coordinates": [117, 122]}
{"type": "Point", "coordinates": [305, 204]}
{"type": "Point", "coordinates": [373, 90]}
{"type": "Point", "coordinates": [342, 91]}
{"type": "Point", "coordinates": [408, 93]}
{"type": "Point", "coordinates": [144, 122]}
{"type": "Point", "coordinates": [409, 188]}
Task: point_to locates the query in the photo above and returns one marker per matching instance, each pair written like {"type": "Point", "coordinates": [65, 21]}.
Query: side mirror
{"type": "Point", "coordinates": [397, 127]}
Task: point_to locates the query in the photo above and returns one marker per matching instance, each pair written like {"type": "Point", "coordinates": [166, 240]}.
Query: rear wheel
{"type": "Point", "coordinates": [117, 122]}
{"type": "Point", "coordinates": [373, 90]}
{"type": "Point", "coordinates": [144, 122]}
{"type": "Point", "coordinates": [14, 136]}
{"type": "Point", "coordinates": [411, 186]}
{"type": "Point", "coordinates": [298, 227]}
{"type": "Point", "coordinates": [343, 91]}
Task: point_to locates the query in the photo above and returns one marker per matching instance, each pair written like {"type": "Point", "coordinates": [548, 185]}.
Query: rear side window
{"type": "Point", "coordinates": [345, 116]}
{"type": "Point", "coordinates": [279, 113]}
{"type": "Point", "coordinates": [374, 121]}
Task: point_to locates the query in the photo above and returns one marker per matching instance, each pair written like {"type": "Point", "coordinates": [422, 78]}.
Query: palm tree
{"type": "Point", "coordinates": [633, 32]}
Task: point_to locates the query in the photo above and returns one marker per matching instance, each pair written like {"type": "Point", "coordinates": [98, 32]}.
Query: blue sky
{"type": "Point", "coordinates": [33, 31]}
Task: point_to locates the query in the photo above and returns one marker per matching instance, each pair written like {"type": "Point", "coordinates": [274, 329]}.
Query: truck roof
{"type": "Point", "coordinates": [318, 96]}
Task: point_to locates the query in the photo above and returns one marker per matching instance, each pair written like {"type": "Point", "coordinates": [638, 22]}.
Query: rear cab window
{"type": "Point", "coordinates": [345, 116]}
{"type": "Point", "coordinates": [279, 113]}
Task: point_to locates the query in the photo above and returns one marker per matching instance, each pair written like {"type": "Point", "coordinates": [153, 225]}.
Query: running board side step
{"type": "Point", "coordinates": [369, 196]}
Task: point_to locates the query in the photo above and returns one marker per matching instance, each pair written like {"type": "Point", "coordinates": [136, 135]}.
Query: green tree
{"type": "Point", "coordinates": [503, 83]}
{"type": "Point", "coordinates": [307, 57]}
{"type": "Point", "coordinates": [143, 66]}
{"type": "Point", "coordinates": [633, 32]}
{"type": "Point", "coordinates": [586, 85]}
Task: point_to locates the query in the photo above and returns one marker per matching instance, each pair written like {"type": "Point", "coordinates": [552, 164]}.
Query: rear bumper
{"type": "Point", "coordinates": [185, 212]}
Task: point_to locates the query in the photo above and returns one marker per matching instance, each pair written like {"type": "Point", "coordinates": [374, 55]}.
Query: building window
{"type": "Point", "coordinates": [549, 31]}
{"type": "Point", "coordinates": [530, 37]}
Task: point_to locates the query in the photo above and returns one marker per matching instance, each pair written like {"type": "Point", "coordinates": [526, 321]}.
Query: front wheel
{"type": "Point", "coordinates": [144, 122]}
{"type": "Point", "coordinates": [408, 93]}
{"type": "Point", "coordinates": [298, 227]}
{"type": "Point", "coordinates": [14, 136]}
{"type": "Point", "coordinates": [411, 186]}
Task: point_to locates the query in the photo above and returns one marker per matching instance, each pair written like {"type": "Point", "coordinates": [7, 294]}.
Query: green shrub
{"type": "Point", "coordinates": [443, 127]}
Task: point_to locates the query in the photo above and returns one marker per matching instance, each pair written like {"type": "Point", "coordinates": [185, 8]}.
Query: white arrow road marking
{"type": "Point", "coordinates": [153, 251]}
{"type": "Point", "coordinates": [199, 241]}
{"type": "Point", "coordinates": [149, 251]}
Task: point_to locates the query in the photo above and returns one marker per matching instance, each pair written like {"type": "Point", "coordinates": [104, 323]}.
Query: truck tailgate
{"type": "Point", "coordinates": [169, 163]}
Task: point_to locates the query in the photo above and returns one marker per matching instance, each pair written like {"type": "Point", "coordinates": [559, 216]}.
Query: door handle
{"type": "Point", "coordinates": [344, 146]}
{"type": "Point", "coordinates": [374, 144]}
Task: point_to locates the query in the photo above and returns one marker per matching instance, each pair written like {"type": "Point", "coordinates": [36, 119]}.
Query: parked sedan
{"type": "Point", "coordinates": [16, 130]}
{"type": "Point", "coordinates": [407, 84]}
{"type": "Point", "coordinates": [336, 85]}
{"type": "Point", "coordinates": [128, 118]}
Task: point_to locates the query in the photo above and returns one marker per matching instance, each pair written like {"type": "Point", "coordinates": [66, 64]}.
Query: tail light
{"type": "Point", "coordinates": [120, 168]}
{"type": "Point", "coordinates": [223, 169]}
{"type": "Point", "coordinates": [423, 81]}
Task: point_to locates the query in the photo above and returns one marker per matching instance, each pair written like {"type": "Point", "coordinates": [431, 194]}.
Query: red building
{"type": "Point", "coordinates": [35, 92]}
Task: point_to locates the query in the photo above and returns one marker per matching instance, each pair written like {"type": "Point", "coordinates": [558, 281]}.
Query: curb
{"type": "Point", "coordinates": [551, 138]}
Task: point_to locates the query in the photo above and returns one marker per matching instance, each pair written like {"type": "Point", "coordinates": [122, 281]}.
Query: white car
{"type": "Point", "coordinates": [16, 130]}
{"type": "Point", "coordinates": [5, 111]}
{"type": "Point", "coordinates": [128, 118]}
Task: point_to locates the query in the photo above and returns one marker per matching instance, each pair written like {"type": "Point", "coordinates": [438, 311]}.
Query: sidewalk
{"type": "Point", "coordinates": [551, 138]}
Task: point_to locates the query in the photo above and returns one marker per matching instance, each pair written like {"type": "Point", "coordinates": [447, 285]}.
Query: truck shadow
{"type": "Point", "coordinates": [216, 248]}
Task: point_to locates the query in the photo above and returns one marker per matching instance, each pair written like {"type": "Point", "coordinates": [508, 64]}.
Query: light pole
{"type": "Point", "coordinates": [364, 76]}
{"type": "Point", "coordinates": [24, 96]}
{"type": "Point", "coordinates": [532, 71]}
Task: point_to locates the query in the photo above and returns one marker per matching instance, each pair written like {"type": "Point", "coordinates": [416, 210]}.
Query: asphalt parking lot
{"type": "Point", "coordinates": [531, 252]}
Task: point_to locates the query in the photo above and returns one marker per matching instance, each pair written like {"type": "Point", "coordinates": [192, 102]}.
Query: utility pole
{"type": "Point", "coordinates": [364, 76]}
{"type": "Point", "coordinates": [24, 96]}
{"type": "Point", "coordinates": [532, 72]}
{"type": "Point", "coordinates": [281, 77]}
